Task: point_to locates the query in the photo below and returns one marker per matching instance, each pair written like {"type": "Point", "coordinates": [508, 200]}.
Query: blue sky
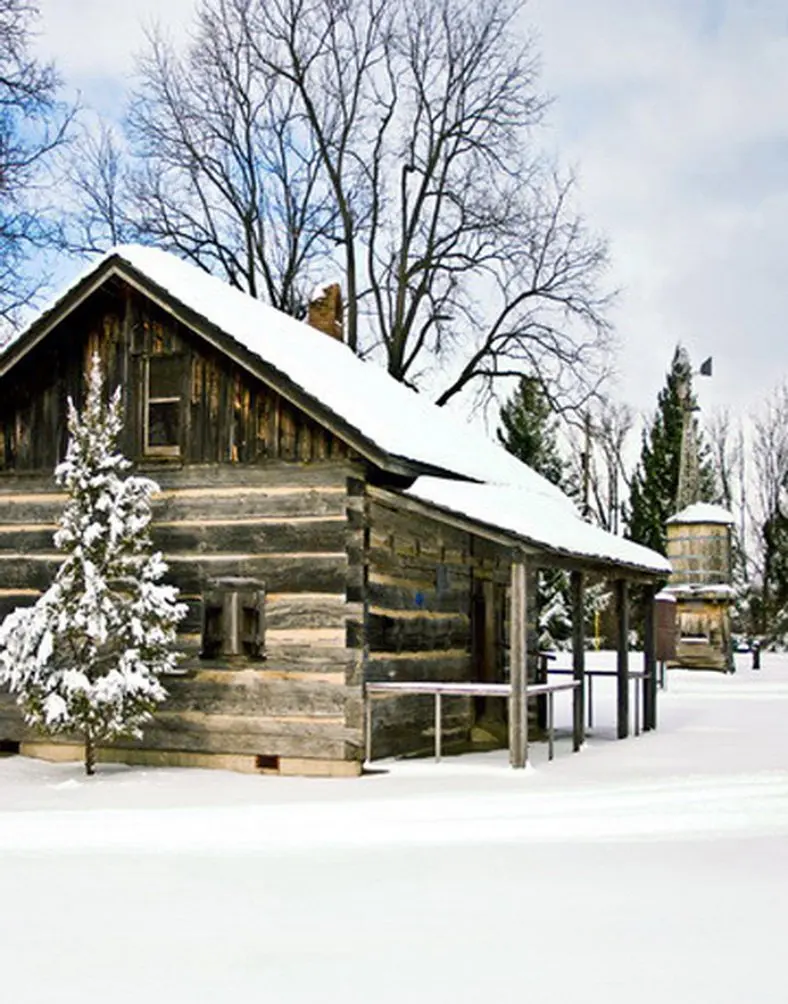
{"type": "Point", "coordinates": [674, 114]}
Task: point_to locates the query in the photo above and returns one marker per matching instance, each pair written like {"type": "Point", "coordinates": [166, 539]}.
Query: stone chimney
{"type": "Point", "coordinates": [325, 310]}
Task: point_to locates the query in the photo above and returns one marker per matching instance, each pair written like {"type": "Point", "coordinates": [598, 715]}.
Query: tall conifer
{"type": "Point", "coordinates": [652, 499]}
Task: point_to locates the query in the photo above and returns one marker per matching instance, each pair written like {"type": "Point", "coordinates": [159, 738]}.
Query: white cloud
{"type": "Point", "coordinates": [94, 41]}
{"type": "Point", "coordinates": [675, 114]}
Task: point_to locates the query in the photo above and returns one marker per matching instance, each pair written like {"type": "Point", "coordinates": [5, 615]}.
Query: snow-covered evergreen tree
{"type": "Point", "coordinates": [87, 656]}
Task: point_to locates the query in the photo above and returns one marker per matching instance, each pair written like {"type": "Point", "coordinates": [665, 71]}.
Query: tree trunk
{"type": "Point", "coordinates": [90, 754]}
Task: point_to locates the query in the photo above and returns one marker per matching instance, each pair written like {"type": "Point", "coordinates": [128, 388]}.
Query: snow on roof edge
{"type": "Point", "coordinates": [514, 511]}
{"type": "Point", "coordinates": [703, 512]}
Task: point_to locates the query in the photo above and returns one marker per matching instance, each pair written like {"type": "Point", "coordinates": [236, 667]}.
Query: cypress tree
{"type": "Point", "coordinates": [652, 499]}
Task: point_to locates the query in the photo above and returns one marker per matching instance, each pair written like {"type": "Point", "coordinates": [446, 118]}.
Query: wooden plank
{"type": "Point", "coordinates": [622, 658]}
{"type": "Point", "coordinates": [318, 610]}
{"type": "Point", "coordinates": [258, 696]}
{"type": "Point", "coordinates": [440, 632]}
{"type": "Point", "coordinates": [281, 573]}
{"type": "Point", "coordinates": [328, 740]}
{"type": "Point", "coordinates": [268, 475]}
{"type": "Point", "coordinates": [419, 595]}
{"type": "Point", "coordinates": [518, 716]}
{"type": "Point", "coordinates": [309, 637]}
{"type": "Point", "coordinates": [12, 600]}
{"type": "Point", "coordinates": [450, 665]}
{"type": "Point", "coordinates": [229, 676]}
{"type": "Point", "coordinates": [28, 571]}
{"type": "Point", "coordinates": [26, 539]}
{"type": "Point", "coordinates": [576, 586]}
{"type": "Point", "coordinates": [294, 536]}
{"type": "Point", "coordinates": [247, 503]}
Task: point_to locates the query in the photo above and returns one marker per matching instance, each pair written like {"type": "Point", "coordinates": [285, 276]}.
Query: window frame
{"type": "Point", "coordinates": [172, 450]}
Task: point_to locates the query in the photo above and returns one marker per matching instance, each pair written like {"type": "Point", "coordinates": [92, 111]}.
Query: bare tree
{"type": "Point", "coordinates": [100, 175]}
{"type": "Point", "coordinates": [459, 244]}
{"type": "Point", "coordinates": [32, 126]}
{"type": "Point", "coordinates": [392, 140]}
{"type": "Point", "coordinates": [216, 164]}
{"type": "Point", "coordinates": [768, 514]}
{"type": "Point", "coordinates": [598, 456]}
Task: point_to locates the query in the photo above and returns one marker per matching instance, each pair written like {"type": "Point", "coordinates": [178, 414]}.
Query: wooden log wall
{"type": "Point", "coordinates": [422, 578]}
{"type": "Point", "coordinates": [285, 524]}
{"type": "Point", "coordinates": [699, 553]}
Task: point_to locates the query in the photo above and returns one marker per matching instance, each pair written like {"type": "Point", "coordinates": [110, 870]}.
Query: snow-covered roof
{"type": "Point", "coordinates": [703, 512]}
{"type": "Point", "coordinates": [536, 520]}
{"type": "Point", "coordinates": [395, 418]}
{"type": "Point", "coordinates": [384, 412]}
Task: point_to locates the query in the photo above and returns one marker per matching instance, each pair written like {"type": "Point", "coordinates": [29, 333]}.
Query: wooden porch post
{"type": "Point", "coordinates": [649, 660]}
{"type": "Point", "coordinates": [578, 659]}
{"type": "Point", "coordinates": [518, 705]}
{"type": "Point", "coordinates": [622, 617]}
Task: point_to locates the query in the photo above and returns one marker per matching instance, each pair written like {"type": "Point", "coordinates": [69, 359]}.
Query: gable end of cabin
{"type": "Point", "coordinates": [255, 517]}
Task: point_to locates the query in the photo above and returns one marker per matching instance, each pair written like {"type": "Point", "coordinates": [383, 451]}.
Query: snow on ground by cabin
{"type": "Point", "coordinates": [653, 869]}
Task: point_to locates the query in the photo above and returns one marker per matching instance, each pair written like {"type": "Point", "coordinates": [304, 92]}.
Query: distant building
{"type": "Point", "coordinates": [699, 551]}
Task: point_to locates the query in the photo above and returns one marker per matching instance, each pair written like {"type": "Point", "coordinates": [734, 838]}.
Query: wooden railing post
{"type": "Point", "coordinates": [622, 665]}
{"type": "Point", "coordinates": [578, 660]}
{"type": "Point", "coordinates": [518, 710]}
{"type": "Point", "coordinates": [650, 661]}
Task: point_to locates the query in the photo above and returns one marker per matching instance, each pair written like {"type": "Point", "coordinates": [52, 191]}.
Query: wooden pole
{"type": "Point", "coordinates": [518, 709]}
{"type": "Point", "coordinates": [650, 661]}
{"type": "Point", "coordinates": [578, 659]}
{"type": "Point", "coordinates": [586, 459]}
{"type": "Point", "coordinates": [622, 615]}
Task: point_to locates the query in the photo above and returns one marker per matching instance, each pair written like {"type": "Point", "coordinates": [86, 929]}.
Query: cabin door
{"type": "Point", "coordinates": [487, 624]}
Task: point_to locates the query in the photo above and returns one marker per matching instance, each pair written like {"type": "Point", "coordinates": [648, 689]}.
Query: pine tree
{"type": "Point", "coordinates": [87, 656]}
{"type": "Point", "coordinates": [654, 486]}
{"type": "Point", "coordinates": [530, 433]}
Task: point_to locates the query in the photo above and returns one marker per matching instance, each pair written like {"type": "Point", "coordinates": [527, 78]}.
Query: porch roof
{"type": "Point", "coordinates": [537, 521]}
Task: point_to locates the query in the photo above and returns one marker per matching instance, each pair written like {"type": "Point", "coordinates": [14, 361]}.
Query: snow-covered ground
{"type": "Point", "coordinates": [654, 869]}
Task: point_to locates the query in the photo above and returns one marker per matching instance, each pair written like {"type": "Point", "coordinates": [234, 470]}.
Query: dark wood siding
{"type": "Point", "coordinates": [421, 621]}
{"type": "Point", "coordinates": [228, 415]}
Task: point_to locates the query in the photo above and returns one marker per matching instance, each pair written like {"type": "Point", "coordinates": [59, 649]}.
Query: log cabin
{"type": "Point", "coordinates": [327, 526]}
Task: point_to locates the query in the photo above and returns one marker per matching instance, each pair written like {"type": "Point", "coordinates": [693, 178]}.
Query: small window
{"type": "Point", "coordinates": [163, 405]}
{"type": "Point", "coordinates": [233, 619]}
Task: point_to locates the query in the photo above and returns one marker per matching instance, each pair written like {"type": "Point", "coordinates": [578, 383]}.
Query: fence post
{"type": "Point", "coordinates": [578, 659]}
{"type": "Point", "coordinates": [518, 709]}
{"type": "Point", "coordinates": [622, 611]}
{"type": "Point", "coordinates": [650, 662]}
